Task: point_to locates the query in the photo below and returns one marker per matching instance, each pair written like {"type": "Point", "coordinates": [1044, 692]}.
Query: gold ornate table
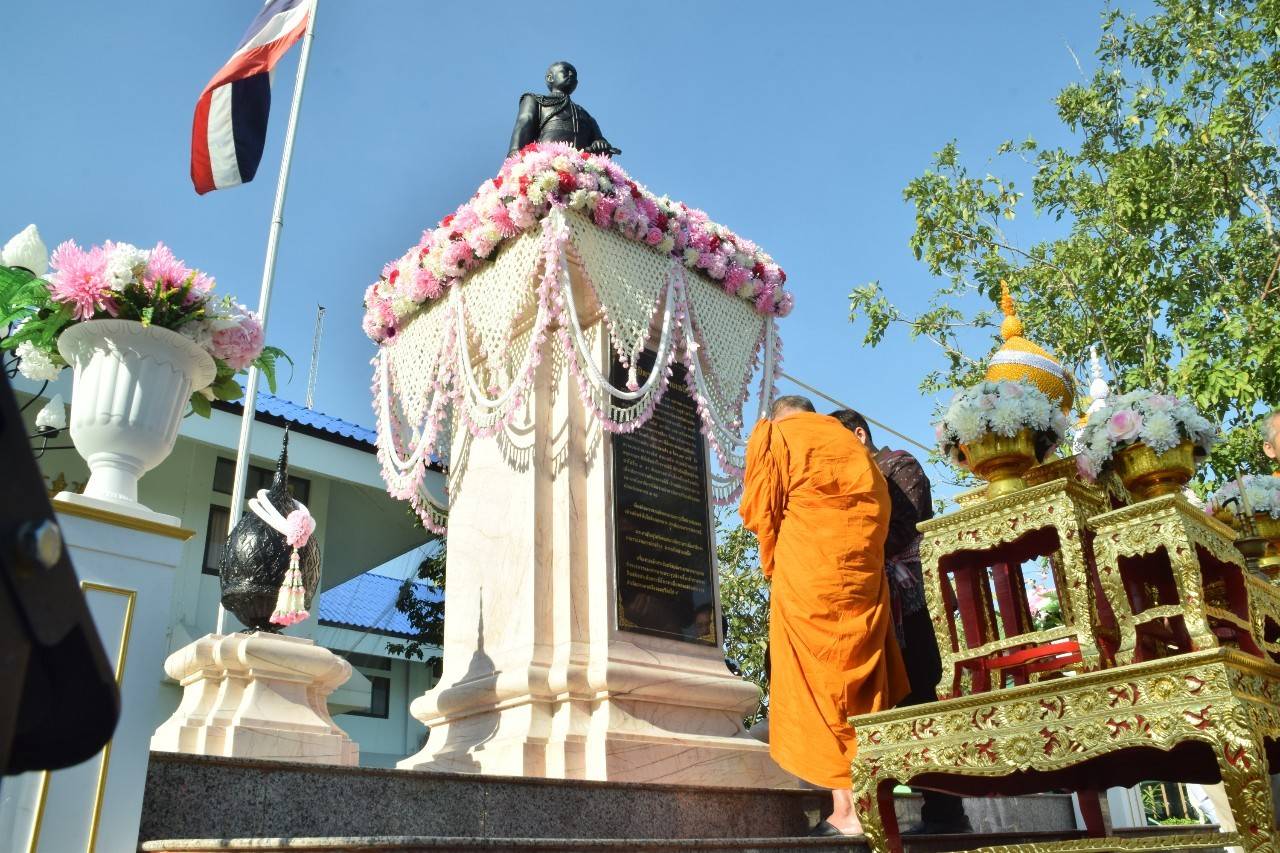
{"type": "Point", "coordinates": [1194, 717]}
{"type": "Point", "coordinates": [1174, 580]}
{"type": "Point", "coordinates": [983, 544]}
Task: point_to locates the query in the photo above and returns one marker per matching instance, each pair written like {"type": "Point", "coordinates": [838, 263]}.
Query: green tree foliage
{"type": "Point", "coordinates": [744, 599]}
{"type": "Point", "coordinates": [1168, 253]}
{"type": "Point", "coordinates": [425, 612]}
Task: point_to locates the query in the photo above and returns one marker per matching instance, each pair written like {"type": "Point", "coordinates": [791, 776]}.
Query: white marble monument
{"type": "Point", "coordinates": [539, 679]}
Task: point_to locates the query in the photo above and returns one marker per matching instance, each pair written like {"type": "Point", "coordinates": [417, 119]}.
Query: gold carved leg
{"type": "Point", "coordinates": [1242, 760]}
{"type": "Point", "coordinates": [869, 804]}
{"type": "Point", "coordinates": [1112, 583]}
{"type": "Point", "coordinates": [1187, 578]}
{"type": "Point", "coordinates": [1076, 575]}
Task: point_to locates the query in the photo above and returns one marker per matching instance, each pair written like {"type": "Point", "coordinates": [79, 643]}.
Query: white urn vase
{"type": "Point", "coordinates": [132, 384]}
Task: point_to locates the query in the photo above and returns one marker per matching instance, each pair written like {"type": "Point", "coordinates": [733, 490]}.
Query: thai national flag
{"type": "Point", "coordinates": [230, 127]}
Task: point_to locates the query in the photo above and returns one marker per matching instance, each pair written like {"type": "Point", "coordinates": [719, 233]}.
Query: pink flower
{"type": "Point", "coordinates": [1161, 402]}
{"type": "Point", "coordinates": [481, 241]}
{"type": "Point", "coordinates": [299, 526]}
{"type": "Point", "coordinates": [1011, 389]}
{"type": "Point", "coordinates": [1086, 468]}
{"type": "Point", "coordinates": [736, 276]}
{"type": "Point", "coordinates": [1037, 598]}
{"type": "Point", "coordinates": [465, 219]}
{"type": "Point", "coordinates": [653, 237]}
{"type": "Point", "coordinates": [201, 288]}
{"type": "Point", "coordinates": [1124, 425]}
{"type": "Point", "coordinates": [164, 270]}
{"type": "Point", "coordinates": [764, 300]}
{"type": "Point", "coordinates": [425, 286]}
{"type": "Point", "coordinates": [78, 279]}
{"type": "Point", "coordinates": [457, 254]}
{"type": "Point", "coordinates": [521, 210]}
{"type": "Point", "coordinates": [501, 220]}
{"type": "Point", "coordinates": [239, 338]}
{"type": "Point", "coordinates": [785, 303]}
{"type": "Point", "coordinates": [604, 212]}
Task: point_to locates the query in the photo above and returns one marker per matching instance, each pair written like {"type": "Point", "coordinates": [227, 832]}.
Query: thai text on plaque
{"type": "Point", "coordinates": [662, 518]}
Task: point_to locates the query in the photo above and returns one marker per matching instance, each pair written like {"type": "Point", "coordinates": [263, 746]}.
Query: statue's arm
{"type": "Point", "coordinates": [526, 129]}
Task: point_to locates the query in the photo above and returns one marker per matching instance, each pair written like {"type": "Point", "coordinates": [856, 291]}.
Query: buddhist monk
{"type": "Point", "coordinates": [1270, 427]}
{"type": "Point", "coordinates": [820, 508]}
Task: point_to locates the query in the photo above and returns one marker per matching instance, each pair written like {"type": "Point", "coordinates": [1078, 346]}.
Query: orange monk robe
{"type": "Point", "coordinates": [820, 508]}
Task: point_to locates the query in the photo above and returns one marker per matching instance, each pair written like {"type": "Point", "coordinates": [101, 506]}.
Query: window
{"type": "Point", "coordinates": [224, 474]}
{"type": "Point", "coordinates": [215, 539]}
{"type": "Point", "coordinates": [368, 661]}
{"type": "Point", "coordinates": [379, 698]}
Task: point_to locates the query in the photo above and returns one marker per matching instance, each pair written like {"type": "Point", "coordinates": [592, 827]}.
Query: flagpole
{"type": "Point", "coordinates": [264, 296]}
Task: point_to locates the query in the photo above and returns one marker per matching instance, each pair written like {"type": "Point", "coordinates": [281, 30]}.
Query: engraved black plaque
{"type": "Point", "coordinates": [662, 519]}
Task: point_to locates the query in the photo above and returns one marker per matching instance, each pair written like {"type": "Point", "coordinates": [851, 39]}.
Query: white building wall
{"type": "Point", "coordinates": [352, 513]}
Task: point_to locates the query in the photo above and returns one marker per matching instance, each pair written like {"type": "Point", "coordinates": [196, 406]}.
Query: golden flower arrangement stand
{"type": "Point", "coordinates": [1174, 579]}
{"type": "Point", "coordinates": [982, 545]}
{"type": "Point", "coordinates": [1196, 717]}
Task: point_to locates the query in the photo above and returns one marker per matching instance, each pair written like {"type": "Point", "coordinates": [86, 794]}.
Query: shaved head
{"type": "Point", "coordinates": [790, 405]}
{"type": "Point", "coordinates": [1271, 435]}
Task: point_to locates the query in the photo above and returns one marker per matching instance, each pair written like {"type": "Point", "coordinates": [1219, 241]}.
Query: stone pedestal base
{"type": "Point", "coordinates": [256, 695]}
{"type": "Point", "coordinates": [646, 715]}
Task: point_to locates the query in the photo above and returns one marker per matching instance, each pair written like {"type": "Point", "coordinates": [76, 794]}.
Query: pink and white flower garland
{"type": "Point", "coordinates": [405, 450]}
{"type": "Point", "coordinates": [530, 184]}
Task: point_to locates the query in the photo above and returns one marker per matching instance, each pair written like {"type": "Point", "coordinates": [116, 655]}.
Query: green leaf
{"type": "Point", "coordinates": [227, 389]}
{"type": "Point", "coordinates": [201, 405]}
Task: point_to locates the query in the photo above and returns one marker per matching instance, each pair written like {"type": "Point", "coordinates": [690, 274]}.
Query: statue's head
{"type": "Point", "coordinates": [562, 77]}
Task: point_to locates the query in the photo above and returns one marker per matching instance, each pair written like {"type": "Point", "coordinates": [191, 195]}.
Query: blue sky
{"type": "Point", "coordinates": [796, 124]}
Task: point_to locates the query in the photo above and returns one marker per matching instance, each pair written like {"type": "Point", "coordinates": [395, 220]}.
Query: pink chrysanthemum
{"type": "Point", "coordinates": [78, 279]}
{"type": "Point", "coordinates": [164, 270]}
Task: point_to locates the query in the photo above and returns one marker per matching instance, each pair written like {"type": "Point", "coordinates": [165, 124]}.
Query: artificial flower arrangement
{"type": "Point", "coordinates": [1261, 496]}
{"type": "Point", "coordinates": [121, 281]}
{"type": "Point", "coordinates": [545, 175]}
{"type": "Point", "coordinates": [1004, 408]}
{"type": "Point", "coordinates": [1161, 421]}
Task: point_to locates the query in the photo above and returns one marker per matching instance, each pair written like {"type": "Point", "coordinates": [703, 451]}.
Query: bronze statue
{"type": "Point", "coordinates": [556, 118]}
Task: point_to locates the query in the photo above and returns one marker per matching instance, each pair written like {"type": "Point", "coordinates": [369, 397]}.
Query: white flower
{"type": "Point", "coordinates": [25, 249]}
{"type": "Point", "coordinates": [36, 364]}
{"type": "Point", "coordinates": [122, 264]}
{"type": "Point", "coordinates": [200, 331]}
{"type": "Point", "coordinates": [53, 415]}
{"type": "Point", "coordinates": [1160, 432]}
{"type": "Point", "coordinates": [966, 423]}
{"type": "Point", "coordinates": [1006, 417]}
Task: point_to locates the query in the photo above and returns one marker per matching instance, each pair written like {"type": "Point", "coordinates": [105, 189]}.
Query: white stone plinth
{"type": "Point", "coordinates": [538, 680]}
{"type": "Point", "coordinates": [256, 695]}
{"type": "Point", "coordinates": [125, 566]}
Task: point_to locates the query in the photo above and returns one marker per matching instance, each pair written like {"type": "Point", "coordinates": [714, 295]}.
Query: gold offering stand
{"type": "Point", "coordinates": [1195, 697]}
{"type": "Point", "coordinates": [972, 564]}
{"type": "Point", "coordinates": [1175, 580]}
{"type": "Point", "coordinates": [1194, 716]}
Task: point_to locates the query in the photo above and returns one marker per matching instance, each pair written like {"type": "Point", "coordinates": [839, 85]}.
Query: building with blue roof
{"type": "Point", "coordinates": [334, 469]}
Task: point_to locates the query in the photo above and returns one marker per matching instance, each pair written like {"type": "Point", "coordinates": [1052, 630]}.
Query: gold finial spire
{"type": "Point", "coordinates": [1011, 327]}
{"type": "Point", "coordinates": [1021, 359]}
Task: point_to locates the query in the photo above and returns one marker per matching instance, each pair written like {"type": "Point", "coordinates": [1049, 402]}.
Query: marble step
{"type": "Point", "coordinates": [411, 844]}
{"type": "Point", "coordinates": [194, 797]}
